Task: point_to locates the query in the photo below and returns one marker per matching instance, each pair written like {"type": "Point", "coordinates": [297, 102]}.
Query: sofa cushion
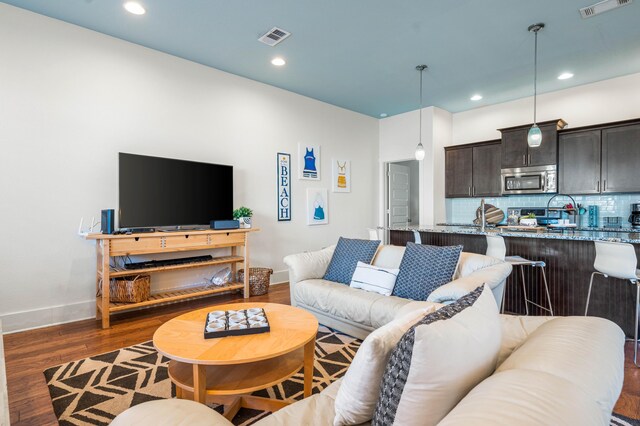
{"type": "Point", "coordinates": [389, 256]}
{"type": "Point", "coordinates": [558, 347]}
{"type": "Point", "coordinates": [430, 370]}
{"type": "Point", "coordinates": [425, 268]}
{"type": "Point", "coordinates": [340, 301]}
{"type": "Point", "coordinates": [374, 278]}
{"type": "Point", "coordinates": [525, 398]}
{"type": "Point", "coordinates": [346, 256]}
{"type": "Point", "coordinates": [174, 412]}
{"type": "Point", "coordinates": [358, 394]}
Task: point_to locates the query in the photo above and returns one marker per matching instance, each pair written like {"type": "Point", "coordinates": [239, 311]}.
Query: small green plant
{"type": "Point", "coordinates": [242, 212]}
{"type": "Point", "coordinates": [530, 216]}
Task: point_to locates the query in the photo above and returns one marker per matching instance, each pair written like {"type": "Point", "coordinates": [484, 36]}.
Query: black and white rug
{"type": "Point", "coordinates": [93, 391]}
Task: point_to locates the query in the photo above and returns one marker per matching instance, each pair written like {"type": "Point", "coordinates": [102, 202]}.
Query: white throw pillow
{"type": "Point", "coordinates": [373, 278]}
{"type": "Point", "coordinates": [360, 387]}
{"type": "Point", "coordinates": [439, 360]}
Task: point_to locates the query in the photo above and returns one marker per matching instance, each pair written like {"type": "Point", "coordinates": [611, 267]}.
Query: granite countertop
{"type": "Point", "coordinates": [600, 234]}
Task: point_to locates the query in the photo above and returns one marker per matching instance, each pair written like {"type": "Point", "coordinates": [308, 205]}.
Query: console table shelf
{"type": "Point", "coordinates": [121, 272]}
{"type": "Point", "coordinates": [175, 296]}
{"type": "Point", "coordinates": [111, 246]}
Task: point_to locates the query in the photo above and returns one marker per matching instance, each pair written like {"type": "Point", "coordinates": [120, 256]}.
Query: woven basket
{"type": "Point", "coordinates": [258, 280]}
{"type": "Point", "coordinates": [130, 289]}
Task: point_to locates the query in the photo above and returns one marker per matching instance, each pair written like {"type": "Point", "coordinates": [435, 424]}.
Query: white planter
{"type": "Point", "coordinates": [528, 222]}
{"type": "Point", "coordinates": [245, 222]}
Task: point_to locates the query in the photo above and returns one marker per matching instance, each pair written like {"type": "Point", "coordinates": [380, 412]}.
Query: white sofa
{"type": "Point", "coordinates": [357, 312]}
{"type": "Point", "coordinates": [551, 371]}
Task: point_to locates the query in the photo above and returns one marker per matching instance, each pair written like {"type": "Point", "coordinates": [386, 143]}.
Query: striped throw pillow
{"type": "Point", "coordinates": [373, 278]}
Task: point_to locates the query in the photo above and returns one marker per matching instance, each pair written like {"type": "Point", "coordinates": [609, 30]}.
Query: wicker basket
{"type": "Point", "coordinates": [130, 289]}
{"type": "Point", "coordinates": [258, 280]}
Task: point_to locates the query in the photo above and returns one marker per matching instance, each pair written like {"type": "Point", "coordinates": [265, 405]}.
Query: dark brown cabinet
{"type": "Point", "coordinates": [517, 153]}
{"type": "Point", "coordinates": [486, 170]}
{"type": "Point", "coordinates": [458, 172]}
{"type": "Point", "coordinates": [600, 159]}
{"type": "Point", "coordinates": [579, 162]}
{"type": "Point", "coordinates": [473, 170]}
{"type": "Point", "coordinates": [621, 159]}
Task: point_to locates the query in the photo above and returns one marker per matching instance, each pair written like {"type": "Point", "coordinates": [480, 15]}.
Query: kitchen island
{"type": "Point", "coordinates": [569, 257]}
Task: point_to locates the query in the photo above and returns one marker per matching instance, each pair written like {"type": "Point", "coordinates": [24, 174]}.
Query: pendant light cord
{"type": "Point", "coordinates": [420, 135]}
{"type": "Point", "coordinates": [535, 77]}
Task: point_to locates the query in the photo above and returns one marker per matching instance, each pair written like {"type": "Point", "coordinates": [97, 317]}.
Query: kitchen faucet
{"type": "Point", "coordinates": [483, 219]}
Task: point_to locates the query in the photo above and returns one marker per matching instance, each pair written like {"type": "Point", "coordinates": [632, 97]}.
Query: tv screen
{"type": "Point", "coordinates": [163, 192]}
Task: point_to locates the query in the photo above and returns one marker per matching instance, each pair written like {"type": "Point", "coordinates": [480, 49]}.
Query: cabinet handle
{"type": "Point", "coordinates": [469, 191]}
{"type": "Point", "coordinates": [529, 159]}
{"type": "Point", "coordinates": [524, 159]}
{"type": "Point", "coordinates": [604, 185]}
{"type": "Point", "coordinates": [598, 186]}
{"type": "Point", "coordinates": [474, 191]}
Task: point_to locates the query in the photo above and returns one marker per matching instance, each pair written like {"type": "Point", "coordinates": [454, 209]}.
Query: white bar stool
{"type": "Point", "coordinates": [618, 260]}
{"type": "Point", "coordinates": [497, 248]}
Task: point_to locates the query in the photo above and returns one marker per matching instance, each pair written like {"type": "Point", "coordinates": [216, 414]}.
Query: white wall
{"type": "Point", "coordinates": [398, 139]}
{"type": "Point", "coordinates": [71, 99]}
{"type": "Point", "coordinates": [605, 101]}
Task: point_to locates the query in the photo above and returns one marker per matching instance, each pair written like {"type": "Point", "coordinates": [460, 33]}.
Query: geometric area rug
{"type": "Point", "coordinates": [93, 391]}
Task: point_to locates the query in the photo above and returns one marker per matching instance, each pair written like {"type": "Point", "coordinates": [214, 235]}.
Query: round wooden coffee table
{"type": "Point", "coordinates": [229, 368]}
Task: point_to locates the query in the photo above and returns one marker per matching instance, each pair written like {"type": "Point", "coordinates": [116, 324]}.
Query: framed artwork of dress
{"type": "Point", "coordinates": [317, 206]}
{"type": "Point", "coordinates": [340, 175]}
{"type": "Point", "coordinates": [308, 161]}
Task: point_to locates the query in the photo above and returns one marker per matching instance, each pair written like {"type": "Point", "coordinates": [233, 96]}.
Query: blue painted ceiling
{"type": "Point", "coordinates": [361, 54]}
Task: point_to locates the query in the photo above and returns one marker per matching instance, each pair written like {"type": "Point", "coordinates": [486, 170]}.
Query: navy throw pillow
{"type": "Point", "coordinates": [346, 257]}
{"type": "Point", "coordinates": [424, 268]}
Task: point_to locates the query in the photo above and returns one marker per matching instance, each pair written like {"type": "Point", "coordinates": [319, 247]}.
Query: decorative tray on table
{"type": "Point", "coordinates": [236, 323]}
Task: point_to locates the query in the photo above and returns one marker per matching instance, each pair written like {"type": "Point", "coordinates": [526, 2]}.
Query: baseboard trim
{"type": "Point", "coordinates": [280, 277]}
{"type": "Point", "coordinates": [53, 315]}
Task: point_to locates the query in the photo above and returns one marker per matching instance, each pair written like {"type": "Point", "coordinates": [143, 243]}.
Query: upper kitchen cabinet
{"type": "Point", "coordinates": [458, 172]}
{"type": "Point", "coordinates": [620, 154]}
{"type": "Point", "coordinates": [579, 162]}
{"type": "Point", "coordinates": [517, 153]}
{"type": "Point", "coordinates": [486, 170]}
{"type": "Point", "coordinates": [473, 170]}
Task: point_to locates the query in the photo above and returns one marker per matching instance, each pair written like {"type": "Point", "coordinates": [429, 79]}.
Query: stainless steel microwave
{"type": "Point", "coordinates": [529, 180]}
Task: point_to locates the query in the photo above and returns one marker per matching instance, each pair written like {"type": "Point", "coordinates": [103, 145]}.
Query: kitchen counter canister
{"type": "Point", "coordinates": [569, 257]}
{"type": "Point", "coordinates": [572, 234]}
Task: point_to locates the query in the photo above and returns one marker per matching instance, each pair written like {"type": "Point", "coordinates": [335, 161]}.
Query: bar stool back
{"type": "Point", "coordinates": [498, 249]}
{"type": "Point", "coordinates": [618, 260]}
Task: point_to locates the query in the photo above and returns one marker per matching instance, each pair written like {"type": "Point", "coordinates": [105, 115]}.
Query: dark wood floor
{"type": "Point", "coordinates": [29, 353]}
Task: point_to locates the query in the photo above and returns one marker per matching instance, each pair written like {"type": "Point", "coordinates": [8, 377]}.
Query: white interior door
{"type": "Point", "coordinates": [398, 195]}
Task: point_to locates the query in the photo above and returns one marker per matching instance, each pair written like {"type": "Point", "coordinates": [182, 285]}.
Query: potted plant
{"type": "Point", "coordinates": [243, 215]}
{"type": "Point", "coordinates": [529, 220]}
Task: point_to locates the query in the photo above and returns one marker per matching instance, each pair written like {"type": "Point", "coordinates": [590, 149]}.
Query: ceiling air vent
{"type": "Point", "coordinates": [601, 7]}
{"type": "Point", "coordinates": [274, 36]}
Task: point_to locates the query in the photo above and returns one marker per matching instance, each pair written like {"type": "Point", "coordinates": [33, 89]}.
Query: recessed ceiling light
{"type": "Point", "coordinates": [278, 62]}
{"type": "Point", "coordinates": [476, 97]}
{"type": "Point", "coordinates": [383, 115]}
{"type": "Point", "coordinates": [135, 8]}
{"type": "Point", "coordinates": [565, 76]}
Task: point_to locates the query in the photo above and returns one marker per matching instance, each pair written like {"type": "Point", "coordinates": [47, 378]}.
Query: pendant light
{"type": "Point", "coordinates": [420, 148]}
{"type": "Point", "coordinates": [534, 138]}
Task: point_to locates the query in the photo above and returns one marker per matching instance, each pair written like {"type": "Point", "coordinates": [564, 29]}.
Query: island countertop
{"type": "Point", "coordinates": [600, 234]}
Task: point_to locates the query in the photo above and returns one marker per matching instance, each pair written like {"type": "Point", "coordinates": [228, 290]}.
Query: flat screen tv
{"type": "Point", "coordinates": [163, 192]}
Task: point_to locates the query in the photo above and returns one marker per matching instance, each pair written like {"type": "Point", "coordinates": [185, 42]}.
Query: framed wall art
{"type": "Point", "coordinates": [340, 175]}
{"type": "Point", "coordinates": [283, 164]}
{"type": "Point", "coordinates": [317, 206]}
{"type": "Point", "coordinates": [308, 161]}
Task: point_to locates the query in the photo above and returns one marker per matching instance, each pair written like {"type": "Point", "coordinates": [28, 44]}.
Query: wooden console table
{"type": "Point", "coordinates": [108, 246]}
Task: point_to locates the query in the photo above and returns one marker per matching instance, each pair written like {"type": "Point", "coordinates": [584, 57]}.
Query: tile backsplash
{"type": "Point", "coordinates": [463, 210]}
